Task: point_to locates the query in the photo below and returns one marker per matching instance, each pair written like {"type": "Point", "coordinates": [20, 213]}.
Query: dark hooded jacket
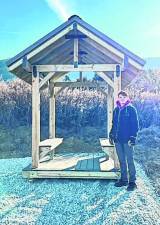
{"type": "Point", "coordinates": [125, 123]}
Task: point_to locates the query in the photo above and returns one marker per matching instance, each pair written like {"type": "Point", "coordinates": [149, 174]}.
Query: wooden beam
{"type": "Point", "coordinates": [125, 62]}
{"type": "Point", "coordinates": [59, 91]}
{"type": "Point", "coordinates": [80, 76]}
{"type": "Point", "coordinates": [135, 64]}
{"type": "Point", "coordinates": [80, 84]}
{"type": "Point", "coordinates": [75, 52]}
{"type": "Point", "coordinates": [109, 110]}
{"type": "Point", "coordinates": [35, 117]}
{"type": "Point", "coordinates": [29, 173]}
{"type": "Point", "coordinates": [73, 36]}
{"type": "Point", "coordinates": [26, 65]}
{"type": "Point", "coordinates": [52, 105]}
{"type": "Point", "coordinates": [83, 68]}
{"type": "Point", "coordinates": [106, 78]}
{"type": "Point", "coordinates": [87, 59]}
{"type": "Point", "coordinates": [117, 86]}
{"type": "Point", "coordinates": [63, 84]}
{"type": "Point", "coordinates": [46, 79]}
{"type": "Point", "coordinates": [58, 75]}
{"type": "Point", "coordinates": [61, 74]}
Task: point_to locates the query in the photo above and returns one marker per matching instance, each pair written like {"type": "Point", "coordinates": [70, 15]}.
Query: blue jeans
{"type": "Point", "coordinates": [125, 156]}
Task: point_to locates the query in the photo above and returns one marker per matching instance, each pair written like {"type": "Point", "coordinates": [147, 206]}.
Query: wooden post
{"type": "Point", "coordinates": [109, 109]}
{"type": "Point", "coordinates": [76, 52]}
{"type": "Point", "coordinates": [80, 77]}
{"type": "Point", "coordinates": [117, 88]}
{"type": "Point", "coordinates": [117, 83]}
{"type": "Point", "coordinates": [35, 117]}
{"type": "Point", "coordinates": [52, 130]}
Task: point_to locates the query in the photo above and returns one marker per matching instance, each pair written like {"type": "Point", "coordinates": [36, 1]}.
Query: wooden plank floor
{"type": "Point", "coordinates": [71, 165]}
{"type": "Point", "coordinates": [79, 162]}
{"type": "Point", "coordinates": [88, 165]}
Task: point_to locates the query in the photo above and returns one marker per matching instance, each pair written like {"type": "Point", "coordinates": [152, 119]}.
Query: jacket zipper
{"type": "Point", "coordinates": [118, 122]}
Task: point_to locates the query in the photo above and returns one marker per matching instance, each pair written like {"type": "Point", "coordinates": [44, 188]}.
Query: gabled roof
{"type": "Point", "coordinates": [57, 48]}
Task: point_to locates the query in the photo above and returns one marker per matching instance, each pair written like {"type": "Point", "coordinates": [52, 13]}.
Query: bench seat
{"type": "Point", "coordinates": [47, 148]}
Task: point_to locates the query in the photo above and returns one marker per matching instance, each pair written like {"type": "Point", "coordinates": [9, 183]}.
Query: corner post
{"type": "Point", "coordinates": [52, 111]}
{"type": "Point", "coordinates": [117, 88]}
{"type": "Point", "coordinates": [109, 109]}
{"type": "Point", "coordinates": [117, 82]}
{"type": "Point", "coordinates": [35, 117]}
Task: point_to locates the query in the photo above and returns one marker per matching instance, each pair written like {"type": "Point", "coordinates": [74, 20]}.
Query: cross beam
{"type": "Point", "coordinates": [80, 68]}
{"type": "Point", "coordinates": [80, 84]}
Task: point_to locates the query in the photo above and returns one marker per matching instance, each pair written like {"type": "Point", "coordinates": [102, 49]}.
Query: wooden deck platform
{"type": "Point", "coordinates": [71, 165]}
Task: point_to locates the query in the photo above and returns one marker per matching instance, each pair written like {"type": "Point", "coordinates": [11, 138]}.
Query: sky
{"type": "Point", "coordinates": [135, 24]}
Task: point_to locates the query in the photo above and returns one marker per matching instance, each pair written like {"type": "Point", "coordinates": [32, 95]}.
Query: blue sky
{"type": "Point", "coordinates": [133, 24]}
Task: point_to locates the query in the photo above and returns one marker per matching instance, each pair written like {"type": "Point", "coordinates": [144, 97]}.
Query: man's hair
{"type": "Point", "coordinates": [123, 93]}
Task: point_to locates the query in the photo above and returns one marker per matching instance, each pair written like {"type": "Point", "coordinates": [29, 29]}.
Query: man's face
{"type": "Point", "coordinates": [122, 99]}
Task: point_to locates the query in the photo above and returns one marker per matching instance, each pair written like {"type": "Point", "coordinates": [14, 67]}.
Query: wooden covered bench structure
{"type": "Point", "coordinates": [75, 46]}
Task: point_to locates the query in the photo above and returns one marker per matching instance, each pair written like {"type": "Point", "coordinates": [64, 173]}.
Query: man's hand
{"type": "Point", "coordinates": [132, 141]}
{"type": "Point", "coordinates": [111, 139]}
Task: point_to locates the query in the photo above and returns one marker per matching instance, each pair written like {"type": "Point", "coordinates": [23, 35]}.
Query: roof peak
{"type": "Point", "coordinates": [74, 16]}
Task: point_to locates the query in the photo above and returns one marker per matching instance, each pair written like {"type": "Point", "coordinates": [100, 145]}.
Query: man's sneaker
{"type": "Point", "coordinates": [121, 183]}
{"type": "Point", "coordinates": [132, 186]}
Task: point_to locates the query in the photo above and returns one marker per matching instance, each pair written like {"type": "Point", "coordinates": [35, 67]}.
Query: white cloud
{"type": "Point", "coordinates": [60, 8]}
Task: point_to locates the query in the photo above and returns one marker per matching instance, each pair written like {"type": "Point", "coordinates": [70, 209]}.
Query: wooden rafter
{"type": "Point", "coordinates": [90, 58]}
{"type": "Point", "coordinates": [43, 46]}
{"type": "Point", "coordinates": [96, 54]}
{"type": "Point", "coordinates": [59, 56]}
{"type": "Point", "coordinates": [100, 41]}
{"type": "Point", "coordinates": [52, 51]}
{"type": "Point", "coordinates": [89, 42]}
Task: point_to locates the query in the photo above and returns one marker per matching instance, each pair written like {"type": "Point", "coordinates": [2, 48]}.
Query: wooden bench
{"type": "Point", "coordinates": [110, 151]}
{"type": "Point", "coordinates": [47, 148]}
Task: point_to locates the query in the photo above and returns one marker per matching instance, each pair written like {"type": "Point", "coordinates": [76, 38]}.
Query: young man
{"type": "Point", "coordinates": [123, 134]}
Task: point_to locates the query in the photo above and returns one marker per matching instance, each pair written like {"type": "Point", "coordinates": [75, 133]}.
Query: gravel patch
{"type": "Point", "coordinates": [73, 202]}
